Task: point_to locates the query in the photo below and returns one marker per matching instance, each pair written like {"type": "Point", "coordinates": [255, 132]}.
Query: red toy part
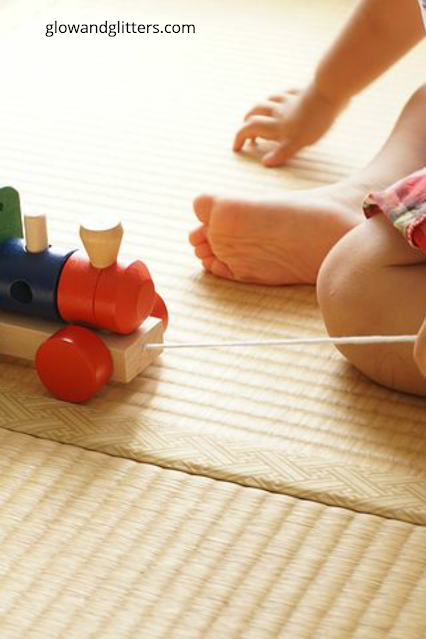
{"type": "Point", "coordinates": [419, 237]}
{"type": "Point", "coordinates": [160, 310]}
{"type": "Point", "coordinates": [124, 298]}
{"type": "Point", "coordinates": [76, 290]}
{"type": "Point", "coordinates": [74, 364]}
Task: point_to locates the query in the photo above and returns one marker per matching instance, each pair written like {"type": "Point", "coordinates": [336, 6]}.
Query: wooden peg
{"type": "Point", "coordinates": [36, 238]}
{"type": "Point", "coordinates": [101, 237]}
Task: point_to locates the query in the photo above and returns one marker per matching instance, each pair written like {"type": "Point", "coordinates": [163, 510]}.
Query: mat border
{"type": "Point", "coordinates": [390, 494]}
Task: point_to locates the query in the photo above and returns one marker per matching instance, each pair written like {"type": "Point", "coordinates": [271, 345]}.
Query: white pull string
{"type": "Point", "coordinates": [368, 339]}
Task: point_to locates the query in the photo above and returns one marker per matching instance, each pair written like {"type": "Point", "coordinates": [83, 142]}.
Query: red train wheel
{"type": "Point", "coordinates": [73, 364]}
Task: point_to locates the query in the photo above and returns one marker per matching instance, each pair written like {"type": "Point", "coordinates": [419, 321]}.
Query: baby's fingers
{"type": "Point", "coordinates": [281, 154]}
{"type": "Point", "coordinates": [257, 127]}
{"type": "Point", "coordinates": [281, 97]}
{"type": "Point", "coordinates": [262, 108]}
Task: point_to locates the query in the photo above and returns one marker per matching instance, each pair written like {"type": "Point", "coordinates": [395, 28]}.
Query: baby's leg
{"type": "Point", "coordinates": [283, 240]}
{"type": "Point", "coordinates": [374, 283]}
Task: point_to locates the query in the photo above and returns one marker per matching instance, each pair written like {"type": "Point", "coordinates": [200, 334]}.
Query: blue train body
{"type": "Point", "coordinates": [29, 281]}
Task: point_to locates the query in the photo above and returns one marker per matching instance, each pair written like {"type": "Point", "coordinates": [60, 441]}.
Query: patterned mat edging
{"type": "Point", "coordinates": [389, 494]}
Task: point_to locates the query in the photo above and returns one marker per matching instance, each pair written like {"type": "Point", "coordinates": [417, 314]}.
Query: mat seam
{"type": "Point", "coordinates": [221, 479]}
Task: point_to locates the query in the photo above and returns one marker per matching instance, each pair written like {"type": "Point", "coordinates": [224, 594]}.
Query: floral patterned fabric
{"type": "Point", "coordinates": [404, 204]}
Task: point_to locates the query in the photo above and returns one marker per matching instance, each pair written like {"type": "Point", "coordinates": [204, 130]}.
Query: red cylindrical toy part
{"type": "Point", "coordinates": [73, 364]}
{"type": "Point", "coordinates": [160, 310]}
{"type": "Point", "coordinates": [76, 290]}
{"type": "Point", "coordinates": [124, 298]}
{"type": "Point", "coordinates": [419, 237]}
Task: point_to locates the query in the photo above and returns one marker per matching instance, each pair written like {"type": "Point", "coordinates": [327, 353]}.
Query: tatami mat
{"type": "Point", "coordinates": [141, 125]}
{"type": "Point", "coordinates": [396, 494]}
{"type": "Point", "coordinates": [317, 529]}
{"type": "Point", "coordinates": [98, 547]}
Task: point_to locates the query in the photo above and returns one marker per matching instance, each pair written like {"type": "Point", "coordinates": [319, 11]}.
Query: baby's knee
{"type": "Point", "coordinates": [362, 279]}
{"type": "Point", "coordinates": [354, 291]}
{"type": "Point", "coordinates": [345, 288]}
{"type": "Point", "coordinates": [346, 299]}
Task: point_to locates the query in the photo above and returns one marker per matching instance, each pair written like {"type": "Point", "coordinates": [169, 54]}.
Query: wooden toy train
{"type": "Point", "coordinates": [79, 318]}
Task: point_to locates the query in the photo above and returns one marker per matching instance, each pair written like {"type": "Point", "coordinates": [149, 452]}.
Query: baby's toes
{"type": "Point", "coordinates": [197, 236]}
{"type": "Point", "coordinates": [203, 250]}
{"type": "Point", "coordinates": [221, 270]}
{"type": "Point", "coordinates": [203, 205]}
{"type": "Point", "coordinates": [215, 266]}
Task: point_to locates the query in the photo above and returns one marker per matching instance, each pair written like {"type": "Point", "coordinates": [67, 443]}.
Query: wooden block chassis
{"type": "Point", "coordinates": [20, 336]}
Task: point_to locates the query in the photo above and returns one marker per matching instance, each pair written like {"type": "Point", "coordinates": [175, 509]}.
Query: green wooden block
{"type": "Point", "coordinates": [10, 214]}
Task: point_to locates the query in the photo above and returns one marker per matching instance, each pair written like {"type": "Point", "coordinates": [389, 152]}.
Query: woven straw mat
{"type": "Point", "coordinates": [226, 493]}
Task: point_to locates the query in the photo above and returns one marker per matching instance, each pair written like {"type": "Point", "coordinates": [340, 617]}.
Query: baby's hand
{"type": "Point", "coordinates": [294, 119]}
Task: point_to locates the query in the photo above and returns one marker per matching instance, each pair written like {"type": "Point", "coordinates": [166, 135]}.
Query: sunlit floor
{"type": "Point", "coordinates": [107, 543]}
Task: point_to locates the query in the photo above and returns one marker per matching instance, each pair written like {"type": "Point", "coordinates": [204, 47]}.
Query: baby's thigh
{"type": "Point", "coordinates": [373, 283]}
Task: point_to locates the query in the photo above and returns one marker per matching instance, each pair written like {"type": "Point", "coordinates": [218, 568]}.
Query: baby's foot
{"type": "Point", "coordinates": [274, 241]}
